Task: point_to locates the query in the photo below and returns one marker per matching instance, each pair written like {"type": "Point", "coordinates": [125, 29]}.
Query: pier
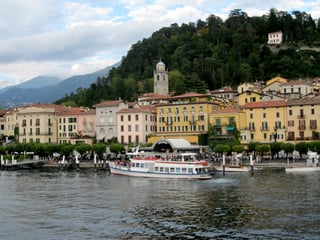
{"type": "Point", "coordinates": [14, 164]}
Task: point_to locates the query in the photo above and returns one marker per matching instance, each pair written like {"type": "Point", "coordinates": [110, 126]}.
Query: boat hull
{"type": "Point", "coordinates": [124, 171]}
{"type": "Point", "coordinates": [302, 169]}
{"type": "Point", "coordinates": [232, 169]}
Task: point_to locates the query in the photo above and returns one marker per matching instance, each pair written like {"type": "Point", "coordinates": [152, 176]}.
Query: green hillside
{"type": "Point", "coordinates": [212, 53]}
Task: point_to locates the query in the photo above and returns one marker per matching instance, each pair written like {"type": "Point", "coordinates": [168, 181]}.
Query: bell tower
{"type": "Point", "coordinates": [160, 78]}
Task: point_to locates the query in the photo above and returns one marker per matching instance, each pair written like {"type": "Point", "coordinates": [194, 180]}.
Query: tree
{"type": "Point", "coordinates": [82, 148]}
{"type": "Point", "coordinates": [314, 146]}
{"type": "Point", "coordinates": [238, 148]}
{"type": "Point", "coordinates": [222, 148]}
{"type": "Point", "coordinates": [252, 147]}
{"type": "Point", "coordinates": [287, 148]}
{"type": "Point", "coordinates": [99, 148]}
{"type": "Point", "coordinates": [67, 149]}
{"type": "Point", "coordinates": [262, 149]}
{"type": "Point", "coordinates": [275, 148]}
{"type": "Point", "coordinates": [302, 148]}
{"type": "Point", "coordinates": [117, 148]}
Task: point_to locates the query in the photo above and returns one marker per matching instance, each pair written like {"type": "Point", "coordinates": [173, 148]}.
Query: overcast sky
{"type": "Point", "coordinates": [65, 38]}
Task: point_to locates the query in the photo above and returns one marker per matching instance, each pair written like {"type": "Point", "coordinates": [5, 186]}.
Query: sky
{"type": "Point", "coordinates": [63, 38]}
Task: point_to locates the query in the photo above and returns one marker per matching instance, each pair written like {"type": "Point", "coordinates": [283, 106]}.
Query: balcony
{"type": "Point", "coordinates": [264, 129]}
{"type": "Point", "coordinates": [301, 116]}
{"type": "Point", "coordinates": [193, 122]}
{"type": "Point", "coordinates": [302, 127]}
{"type": "Point", "coordinates": [313, 127]}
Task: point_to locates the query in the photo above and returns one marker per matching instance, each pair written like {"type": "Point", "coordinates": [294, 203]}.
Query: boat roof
{"type": "Point", "coordinates": [176, 143]}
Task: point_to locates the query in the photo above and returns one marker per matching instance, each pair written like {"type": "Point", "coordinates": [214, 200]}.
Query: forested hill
{"type": "Point", "coordinates": [212, 53]}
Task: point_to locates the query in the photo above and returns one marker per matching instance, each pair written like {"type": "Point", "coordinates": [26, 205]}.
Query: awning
{"type": "Point", "coordinates": [230, 128]}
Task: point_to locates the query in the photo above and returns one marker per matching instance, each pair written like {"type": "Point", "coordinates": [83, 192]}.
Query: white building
{"type": "Point", "coordinates": [275, 37]}
{"type": "Point", "coordinates": [106, 118]}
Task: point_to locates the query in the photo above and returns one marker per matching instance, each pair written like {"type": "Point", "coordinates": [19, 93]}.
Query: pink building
{"type": "Point", "coordinates": [135, 124]}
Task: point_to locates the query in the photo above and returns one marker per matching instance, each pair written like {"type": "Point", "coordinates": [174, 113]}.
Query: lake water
{"type": "Point", "coordinates": [95, 205]}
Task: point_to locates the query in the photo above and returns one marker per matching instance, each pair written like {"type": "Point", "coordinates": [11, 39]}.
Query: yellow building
{"type": "Point", "coordinates": [37, 123]}
{"type": "Point", "coordinates": [185, 116]}
{"type": "Point", "coordinates": [247, 97]}
{"type": "Point", "coordinates": [266, 122]}
{"type": "Point", "coordinates": [227, 121]}
{"type": "Point", "coordinates": [302, 121]}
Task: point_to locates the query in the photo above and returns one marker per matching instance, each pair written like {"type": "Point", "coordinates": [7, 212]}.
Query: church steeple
{"type": "Point", "coordinates": [160, 78]}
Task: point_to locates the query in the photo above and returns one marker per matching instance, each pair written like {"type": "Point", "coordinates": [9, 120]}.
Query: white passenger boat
{"type": "Point", "coordinates": [182, 166]}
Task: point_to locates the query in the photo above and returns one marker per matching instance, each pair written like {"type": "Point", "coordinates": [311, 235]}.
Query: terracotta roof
{"type": "Point", "coordinates": [304, 101]}
{"type": "Point", "coordinates": [153, 96]}
{"type": "Point", "coordinates": [296, 82]}
{"type": "Point", "coordinates": [222, 90]}
{"type": "Point", "coordinates": [265, 104]}
{"type": "Point", "coordinates": [191, 95]}
{"type": "Point", "coordinates": [109, 103]}
{"type": "Point", "coordinates": [230, 109]}
{"type": "Point", "coordinates": [142, 109]}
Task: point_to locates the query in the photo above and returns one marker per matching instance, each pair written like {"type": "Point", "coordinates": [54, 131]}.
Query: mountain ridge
{"type": "Point", "coordinates": [47, 92]}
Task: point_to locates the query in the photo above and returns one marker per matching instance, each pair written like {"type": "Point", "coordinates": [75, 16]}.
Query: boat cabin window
{"type": "Point", "coordinates": [166, 169]}
{"type": "Point", "coordinates": [178, 170]}
{"type": "Point", "coordinates": [184, 170]}
{"type": "Point", "coordinates": [171, 169]}
{"type": "Point", "coordinates": [161, 169]}
{"type": "Point", "coordinates": [190, 170]}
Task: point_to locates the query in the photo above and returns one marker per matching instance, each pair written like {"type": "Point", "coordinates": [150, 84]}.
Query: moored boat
{"type": "Point", "coordinates": [312, 164]}
{"type": "Point", "coordinates": [232, 168]}
{"type": "Point", "coordinates": [181, 166]}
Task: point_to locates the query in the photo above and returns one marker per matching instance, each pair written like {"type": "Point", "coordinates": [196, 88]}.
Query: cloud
{"type": "Point", "coordinates": [65, 38]}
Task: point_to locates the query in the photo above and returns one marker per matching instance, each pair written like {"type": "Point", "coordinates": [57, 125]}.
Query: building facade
{"type": "Point", "coordinates": [266, 122]}
{"type": "Point", "coordinates": [227, 122]}
{"type": "Point", "coordinates": [185, 116]}
{"type": "Point", "coordinates": [76, 125]}
{"type": "Point", "coordinates": [106, 119]}
{"type": "Point", "coordinates": [136, 124]}
{"type": "Point", "coordinates": [303, 119]}
{"type": "Point", "coordinates": [38, 123]}
{"type": "Point", "coordinates": [275, 37]}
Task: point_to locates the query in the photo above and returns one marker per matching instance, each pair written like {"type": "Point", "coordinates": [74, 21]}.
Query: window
{"type": "Point", "coordinates": [302, 124]}
{"type": "Point", "coordinates": [291, 123]}
{"type": "Point", "coordinates": [137, 128]}
{"type": "Point", "coordinates": [121, 118]}
{"type": "Point", "coordinates": [122, 128]}
{"type": "Point", "coordinates": [277, 114]}
{"type": "Point", "coordinates": [129, 128]}
{"type": "Point", "coordinates": [301, 113]}
{"type": "Point", "coordinates": [277, 124]}
{"type": "Point", "coordinates": [129, 117]}
{"type": "Point", "coordinates": [137, 117]}
{"type": "Point", "coordinates": [313, 124]}
{"type": "Point", "coordinates": [312, 111]}
{"type": "Point", "coordinates": [264, 115]}
{"type": "Point", "coordinates": [290, 112]}
{"type": "Point", "coordinates": [264, 126]}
